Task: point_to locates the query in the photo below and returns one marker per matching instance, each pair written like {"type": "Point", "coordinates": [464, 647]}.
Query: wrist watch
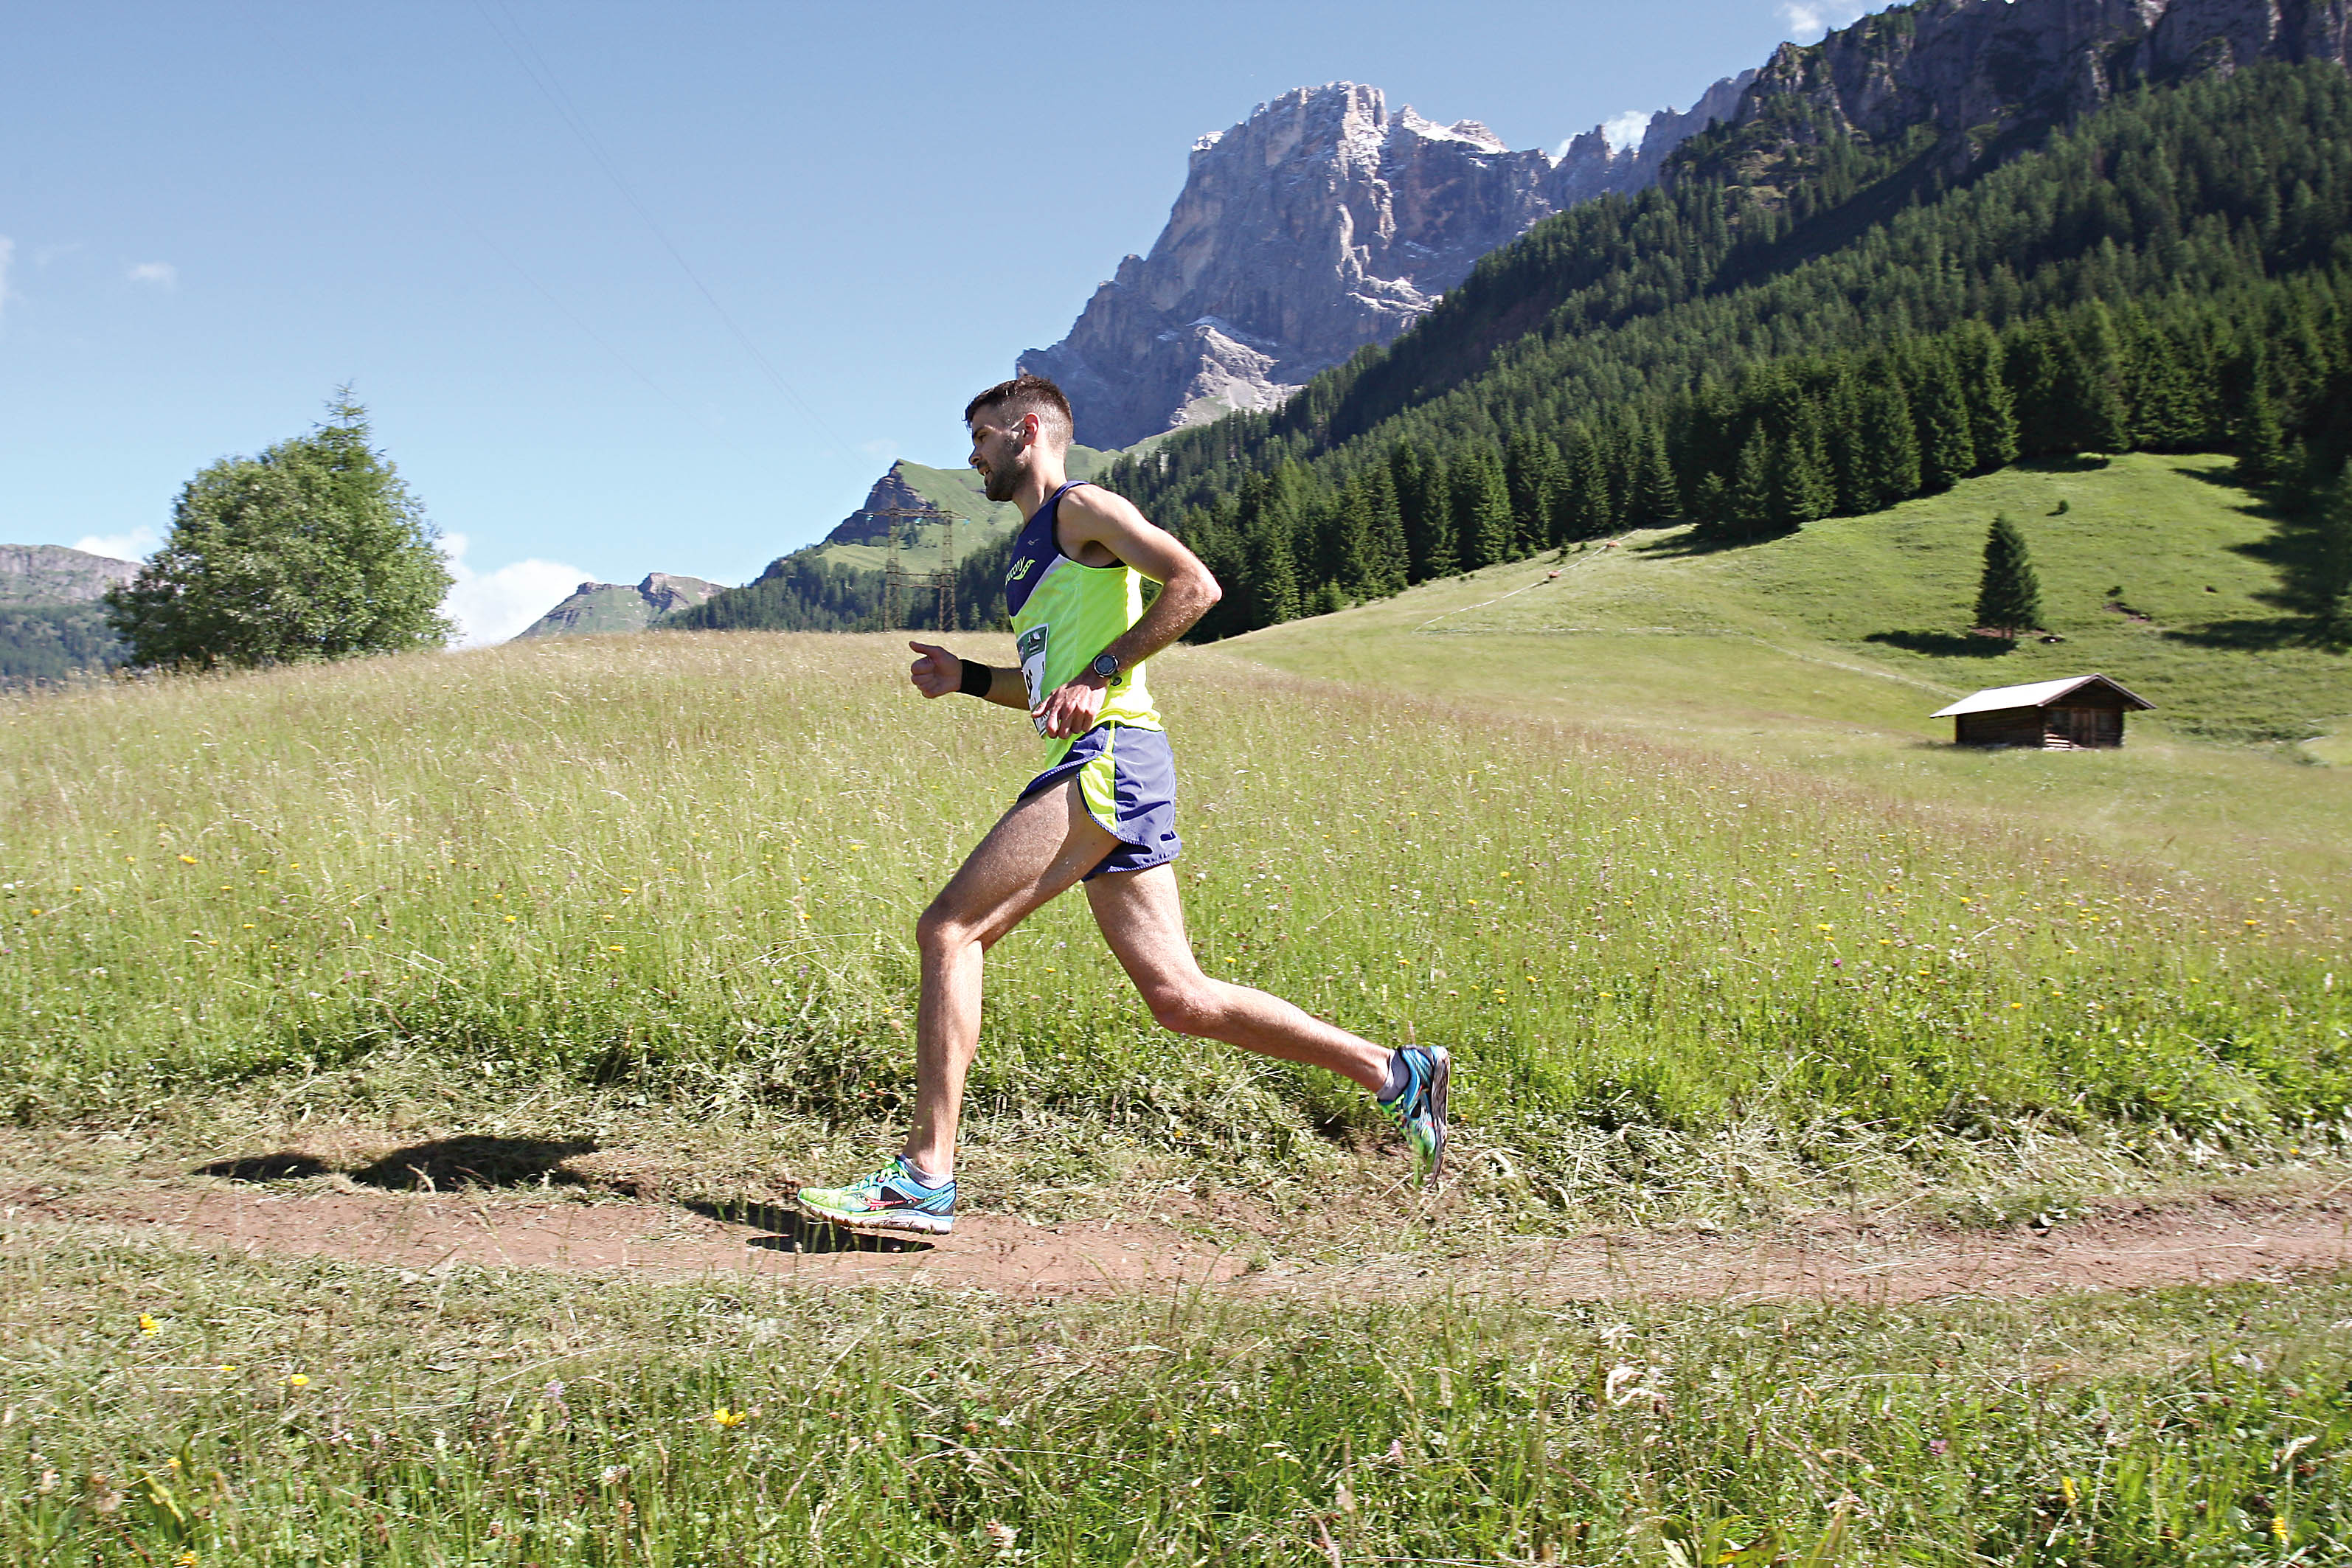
{"type": "Point", "coordinates": [1106, 665]}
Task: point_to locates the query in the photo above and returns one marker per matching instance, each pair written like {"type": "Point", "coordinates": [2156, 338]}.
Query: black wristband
{"type": "Point", "coordinates": [978, 679]}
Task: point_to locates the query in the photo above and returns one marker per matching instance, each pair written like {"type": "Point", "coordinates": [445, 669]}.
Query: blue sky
{"type": "Point", "coordinates": [648, 287]}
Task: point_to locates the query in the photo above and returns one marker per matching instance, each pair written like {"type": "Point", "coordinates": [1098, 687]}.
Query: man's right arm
{"type": "Point", "coordinates": [938, 672]}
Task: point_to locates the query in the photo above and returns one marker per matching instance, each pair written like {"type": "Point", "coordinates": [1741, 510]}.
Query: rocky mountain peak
{"type": "Point", "coordinates": [1318, 225]}
{"type": "Point", "coordinates": [54, 574]}
{"type": "Point", "coordinates": [1974, 66]}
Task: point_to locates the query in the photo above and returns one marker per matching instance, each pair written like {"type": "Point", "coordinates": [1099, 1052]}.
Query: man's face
{"type": "Point", "coordinates": [1000, 445]}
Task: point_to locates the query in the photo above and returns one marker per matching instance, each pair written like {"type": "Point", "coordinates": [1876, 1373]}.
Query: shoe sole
{"type": "Point", "coordinates": [906, 1221]}
{"type": "Point", "coordinates": [1441, 1075]}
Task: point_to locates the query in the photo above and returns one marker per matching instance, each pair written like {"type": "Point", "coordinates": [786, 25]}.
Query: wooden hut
{"type": "Point", "coordinates": [2053, 715]}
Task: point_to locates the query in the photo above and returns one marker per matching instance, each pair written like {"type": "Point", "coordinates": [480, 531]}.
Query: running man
{"type": "Point", "coordinates": [1104, 812]}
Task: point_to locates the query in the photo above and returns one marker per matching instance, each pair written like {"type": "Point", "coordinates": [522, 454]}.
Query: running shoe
{"type": "Point", "coordinates": [888, 1199]}
{"type": "Point", "coordinates": [1419, 1109]}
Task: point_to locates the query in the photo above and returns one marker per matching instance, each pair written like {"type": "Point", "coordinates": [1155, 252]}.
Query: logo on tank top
{"type": "Point", "coordinates": [1021, 569]}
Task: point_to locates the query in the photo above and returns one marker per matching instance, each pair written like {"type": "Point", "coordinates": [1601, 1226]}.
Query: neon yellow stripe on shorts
{"type": "Point", "coordinates": [1098, 784]}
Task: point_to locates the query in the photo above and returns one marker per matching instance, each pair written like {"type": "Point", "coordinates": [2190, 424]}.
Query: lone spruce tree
{"type": "Point", "coordinates": [2009, 596]}
{"type": "Point", "coordinates": [314, 550]}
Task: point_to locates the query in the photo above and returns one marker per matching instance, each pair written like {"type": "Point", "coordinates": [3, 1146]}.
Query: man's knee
{"type": "Point", "coordinates": [939, 930]}
{"type": "Point", "coordinates": [1188, 1008]}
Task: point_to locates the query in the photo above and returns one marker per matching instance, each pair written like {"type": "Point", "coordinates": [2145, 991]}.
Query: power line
{"type": "Point", "coordinates": [598, 338]}
{"type": "Point", "coordinates": [543, 77]}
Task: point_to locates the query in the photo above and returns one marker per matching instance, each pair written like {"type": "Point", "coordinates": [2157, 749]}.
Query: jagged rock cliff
{"type": "Point", "coordinates": [1320, 224]}
{"type": "Point", "coordinates": [618, 606]}
{"type": "Point", "coordinates": [1985, 65]}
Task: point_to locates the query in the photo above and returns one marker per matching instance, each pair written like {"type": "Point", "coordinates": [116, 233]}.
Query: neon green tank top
{"type": "Point", "coordinates": [1063, 614]}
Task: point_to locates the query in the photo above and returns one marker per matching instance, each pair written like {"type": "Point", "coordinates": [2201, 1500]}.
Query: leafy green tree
{"type": "Point", "coordinates": [314, 550]}
{"type": "Point", "coordinates": [2008, 594]}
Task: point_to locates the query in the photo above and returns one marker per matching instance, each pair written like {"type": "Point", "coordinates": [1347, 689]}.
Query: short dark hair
{"type": "Point", "coordinates": [1029, 394]}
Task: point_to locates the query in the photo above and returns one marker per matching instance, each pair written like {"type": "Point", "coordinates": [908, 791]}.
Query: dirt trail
{"type": "Point", "coordinates": [2208, 1240]}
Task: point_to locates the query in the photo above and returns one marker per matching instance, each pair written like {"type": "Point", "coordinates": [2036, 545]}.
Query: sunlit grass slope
{"type": "Point", "coordinates": [1827, 649]}
{"type": "Point", "coordinates": [691, 866]}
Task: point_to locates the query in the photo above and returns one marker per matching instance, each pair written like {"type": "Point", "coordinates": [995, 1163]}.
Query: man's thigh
{"type": "Point", "coordinates": [1142, 914]}
{"type": "Point", "coordinates": [1035, 851]}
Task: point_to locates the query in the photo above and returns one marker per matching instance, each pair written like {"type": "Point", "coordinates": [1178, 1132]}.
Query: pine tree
{"type": "Point", "coordinates": [2009, 595]}
{"type": "Point", "coordinates": [1536, 478]}
{"type": "Point", "coordinates": [1947, 452]}
{"type": "Point", "coordinates": [1654, 498]}
{"type": "Point", "coordinates": [1753, 501]}
{"type": "Point", "coordinates": [1993, 408]}
{"type": "Point", "coordinates": [1889, 443]}
{"type": "Point", "coordinates": [1805, 491]}
{"type": "Point", "coordinates": [1588, 511]}
{"type": "Point", "coordinates": [1482, 506]}
{"type": "Point", "coordinates": [2261, 445]}
{"type": "Point", "coordinates": [1385, 557]}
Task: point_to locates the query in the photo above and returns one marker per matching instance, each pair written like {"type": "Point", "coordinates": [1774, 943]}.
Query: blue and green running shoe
{"type": "Point", "coordinates": [1419, 1108]}
{"type": "Point", "coordinates": [888, 1199]}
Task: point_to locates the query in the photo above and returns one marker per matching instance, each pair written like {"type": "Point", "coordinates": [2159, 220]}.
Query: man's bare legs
{"type": "Point", "coordinates": [1143, 918]}
{"type": "Point", "coordinates": [1035, 853]}
{"type": "Point", "coordinates": [1032, 853]}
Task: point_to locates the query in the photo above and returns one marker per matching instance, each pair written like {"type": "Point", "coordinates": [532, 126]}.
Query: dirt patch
{"type": "Point", "coordinates": [2210, 1240]}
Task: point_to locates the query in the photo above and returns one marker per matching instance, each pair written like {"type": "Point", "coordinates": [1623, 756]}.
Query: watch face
{"type": "Point", "coordinates": [1105, 666]}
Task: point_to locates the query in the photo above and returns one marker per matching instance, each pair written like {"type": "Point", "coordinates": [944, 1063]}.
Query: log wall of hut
{"type": "Point", "coordinates": [2067, 728]}
{"type": "Point", "coordinates": [2000, 727]}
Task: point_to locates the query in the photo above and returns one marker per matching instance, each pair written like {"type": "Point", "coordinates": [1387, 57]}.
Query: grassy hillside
{"type": "Point", "coordinates": [1827, 649]}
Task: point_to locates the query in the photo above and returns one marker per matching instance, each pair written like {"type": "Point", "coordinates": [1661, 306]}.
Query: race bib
{"type": "Point", "coordinates": [1031, 647]}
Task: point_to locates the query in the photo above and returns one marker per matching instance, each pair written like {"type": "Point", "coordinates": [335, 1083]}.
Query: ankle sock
{"type": "Point", "coordinates": [921, 1177]}
{"type": "Point", "coordinates": [1400, 1078]}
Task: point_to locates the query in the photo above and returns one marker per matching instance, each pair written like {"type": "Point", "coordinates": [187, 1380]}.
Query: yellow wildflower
{"type": "Point", "coordinates": [297, 1380]}
{"type": "Point", "coordinates": [149, 1326]}
{"type": "Point", "coordinates": [722, 1416]}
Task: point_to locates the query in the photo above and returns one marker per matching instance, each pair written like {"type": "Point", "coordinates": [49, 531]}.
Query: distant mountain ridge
{"type": "Point", "coordinates": [52, 624]}
{"type": "Point", "coordinates": [1320, 224]}
{"type": "Point", "coordinates": [594, 608]}
{"type": "Point", "coordinates": [54, 574]}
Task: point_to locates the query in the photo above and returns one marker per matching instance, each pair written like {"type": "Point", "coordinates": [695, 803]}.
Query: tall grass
{"type": "Point", "coordinates": [155, 1407]}
{"type": "Point", "coordinates": [689, 866]}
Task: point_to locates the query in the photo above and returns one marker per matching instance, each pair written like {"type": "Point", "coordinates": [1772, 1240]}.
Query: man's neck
{"type": "Point", "coordinates": [1046, 476]}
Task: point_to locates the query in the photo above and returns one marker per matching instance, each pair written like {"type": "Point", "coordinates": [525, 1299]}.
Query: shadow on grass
{"type": "Point", "coordinates": [1945, 645]}
{"type": "Point", "coordinates": [265, 1168]}
{"type": "Point", "coordinates": [1696, 541]}
{"type": "Point", "coordinates": [2278, 631]}
{"type": "Point", "coordinates": [443, 1163]}
{"type": "Point", "coordinates": [792, 1231]}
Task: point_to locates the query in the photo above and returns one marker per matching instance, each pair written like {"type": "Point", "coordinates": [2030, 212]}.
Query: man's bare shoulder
{"type": "Point", "coordinates": [1092, 503]}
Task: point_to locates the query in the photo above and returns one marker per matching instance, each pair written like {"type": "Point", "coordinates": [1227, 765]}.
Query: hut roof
{"type": "Point", "coordinates": [2036, 694]}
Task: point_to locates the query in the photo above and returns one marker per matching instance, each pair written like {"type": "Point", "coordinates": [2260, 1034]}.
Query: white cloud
{"type": "Point", "coordinates": [1809, 19]}
{"type": "Point", "coordinates": [161, 274]}
{"type": "Point", "coordinates": [135, 545]}
{"type": "Point", "coordinates": [1624, 132]}
{"type": "Point", "coordinates": [491, 606]}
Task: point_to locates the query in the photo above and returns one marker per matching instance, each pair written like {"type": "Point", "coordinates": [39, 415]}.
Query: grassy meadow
{"type": "Point", "coordinates": [654, 894]}
{"type": "Point", "coordinates": [686, 868]}
{"type": "Point", "coordinates": [1824, 652]}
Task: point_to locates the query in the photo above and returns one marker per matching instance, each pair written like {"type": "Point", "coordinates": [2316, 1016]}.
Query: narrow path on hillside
{"type": "Point", "coordinates": [2207, 1240]}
